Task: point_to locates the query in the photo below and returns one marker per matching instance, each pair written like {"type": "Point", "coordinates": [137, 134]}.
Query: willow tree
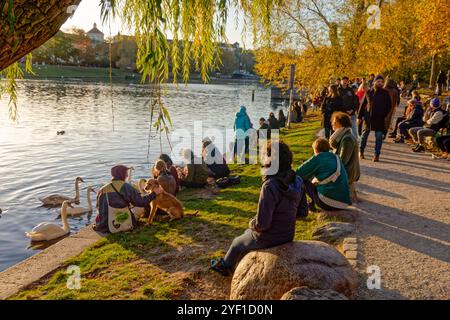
{"type": "Point", "coordinates": [195, 26]}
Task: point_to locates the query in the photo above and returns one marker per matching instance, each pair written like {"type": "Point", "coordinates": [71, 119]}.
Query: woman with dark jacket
{"type": "Point", "coordinates": [273, 122]}
{"type": "Point", "coordinates": [345, 146]}
{"type": "Point", "coordinates": [281, 119]}
{"type": "Point", "coordinates": [214, 159]}
{"type": "Point", "coordinates": [281, 201]}
{"type": "Point", "coordinates": [413, 119]}
{"type": "Point", "coordinates": [331, 104]}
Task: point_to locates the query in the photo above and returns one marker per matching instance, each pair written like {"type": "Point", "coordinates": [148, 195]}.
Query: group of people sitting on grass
{"type": "Point", "coordinates": [327, 178]}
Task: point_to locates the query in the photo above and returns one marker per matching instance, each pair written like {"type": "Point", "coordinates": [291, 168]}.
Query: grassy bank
{"type": "Point", "coordinates": [171, 260]}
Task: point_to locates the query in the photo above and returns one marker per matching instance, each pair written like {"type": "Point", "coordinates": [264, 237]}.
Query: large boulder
{"type": "Point", "coordinates": [305, 293]}
{"type": "Point", "coordinates": [270, 273]}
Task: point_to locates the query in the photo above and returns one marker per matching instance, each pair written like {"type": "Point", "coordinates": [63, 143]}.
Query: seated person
{"type": "Point", "coordinates": [264, 129]}
{"type": "Point", "coordinates": [165, 179]}
{"type": "Point", "coordinates": [119, 194]}
{"type": "Point", "coordinates": [214, 159]}
{"type": "Point", "coordinates": [273, 122]}
{"type": "Point", "coordinates": [433, 118]}
{"type": "Point", "coordinates": [346, 147]}
{"type": "Point", "coordinates": [443, 142]}
{"type": "Point", "coordinates": [325, 179]}
{"type": "Point", "coordinates": [281, 119]}
{"type": "Point", "coordinates": [413, 119]}
{"type": "Point", "coordinates": [196, 173]}
{"type": "Point", "coordinates": [171, 168]}
{"type": "Point", "coordinates": [281, 201]}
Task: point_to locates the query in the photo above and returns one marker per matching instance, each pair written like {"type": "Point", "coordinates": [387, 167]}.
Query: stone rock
{"type": "Point", "coordinates": [270, 273]}
{"type": "Point", "coordinates": [349, 247]}
{"type": "Point", "coordinates": [351, 255]}
{"type": "Point", "coordinates": [333, 231]}
{"type": "Point", "coordinates": [305, 293]}
{"type": "Point", "coordinates": [350, 241]}
{"type": "Point", "coordinates": [343, 215]}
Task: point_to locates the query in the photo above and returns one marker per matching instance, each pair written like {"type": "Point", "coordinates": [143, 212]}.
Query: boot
{"type": "Point", "coordinates": [361, 156]}
{"type": "Point", "coordinates": [376, 158]}
{"type": "Point", "coordinates": [420, 148]}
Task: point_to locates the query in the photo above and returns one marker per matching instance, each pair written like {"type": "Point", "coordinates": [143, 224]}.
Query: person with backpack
{"type": "Point", "coordinates": [119, 194]}
{"type": "Point", "coordinates": [373, 111]}
{"type": "Point", "coordinates": [435, 119]}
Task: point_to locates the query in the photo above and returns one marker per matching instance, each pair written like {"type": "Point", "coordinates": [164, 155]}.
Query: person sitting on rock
{"type": "Point", "coordinates": [325, 179]}
{"type": "Point", "coordinates": [282, 199]}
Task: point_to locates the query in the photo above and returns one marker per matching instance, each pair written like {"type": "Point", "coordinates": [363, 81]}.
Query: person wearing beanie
{"type": "Point", "coordinates": [433, 120]}
{"type": "Point", "coordinates": [373, 111]}
{"type": "Point", "coordinates": [119, 194]}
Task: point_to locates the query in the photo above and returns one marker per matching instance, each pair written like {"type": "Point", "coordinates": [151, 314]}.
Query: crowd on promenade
{"type": "Point", "coordinates": [327, 181]}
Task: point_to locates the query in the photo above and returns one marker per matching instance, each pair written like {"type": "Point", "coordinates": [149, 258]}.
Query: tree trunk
{"type": "Point", "coordinates": [434, 71]}
{"type": "Point", "coordinates": [36, 21]}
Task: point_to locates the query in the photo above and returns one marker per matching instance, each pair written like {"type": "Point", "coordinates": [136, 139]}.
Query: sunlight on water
{"type": "Point", "coordinates": [36, 162]}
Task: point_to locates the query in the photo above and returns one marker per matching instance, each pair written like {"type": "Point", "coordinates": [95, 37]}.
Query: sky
{"type": "Point", "coordinates": [88, 12]}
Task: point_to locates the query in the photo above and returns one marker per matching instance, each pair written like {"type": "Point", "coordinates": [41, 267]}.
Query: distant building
{"type": "Point", "coordinates": [96, 35]}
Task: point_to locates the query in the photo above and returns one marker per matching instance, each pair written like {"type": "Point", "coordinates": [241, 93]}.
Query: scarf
{"type": "Point", "coordinates": [337, 136]}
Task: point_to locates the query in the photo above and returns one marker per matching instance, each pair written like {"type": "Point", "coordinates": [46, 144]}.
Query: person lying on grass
{"type": "Point", "coordinates": [282, 199]}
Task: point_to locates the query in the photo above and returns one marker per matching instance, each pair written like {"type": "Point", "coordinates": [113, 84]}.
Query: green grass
{"type": "Point", "coordinates": [171, 260]}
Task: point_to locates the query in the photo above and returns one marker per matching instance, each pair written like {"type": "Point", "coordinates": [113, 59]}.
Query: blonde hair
{"type": "Point", "coordinates": [160, 165]}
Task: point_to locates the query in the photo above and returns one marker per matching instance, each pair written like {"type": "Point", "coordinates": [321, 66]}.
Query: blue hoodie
{"type": "Point", "coordinates": [281, 201]}
{"type": "Point", "coordinates": [242, 124]}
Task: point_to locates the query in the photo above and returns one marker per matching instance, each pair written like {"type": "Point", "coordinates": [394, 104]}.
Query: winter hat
{"type": "Point", "coordinates": [119, 172]}
{"type": "Point", "coordinates": [435, 102]}
{"type": "Point", "coordinates": [379, 77]}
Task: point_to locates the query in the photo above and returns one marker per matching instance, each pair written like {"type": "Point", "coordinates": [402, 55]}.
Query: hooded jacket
{"type": "Point", "coordinates": [242, 124]}
{"type": "Point", "coordinates": [282, 199]}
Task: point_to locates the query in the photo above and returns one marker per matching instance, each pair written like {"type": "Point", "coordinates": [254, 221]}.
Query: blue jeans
{"type": "Point", "coordinates": [240, 247]}
{"type": "Point", "coordinates": [378, 141]}
{"type": "Point", "coordinates": [355, 127]}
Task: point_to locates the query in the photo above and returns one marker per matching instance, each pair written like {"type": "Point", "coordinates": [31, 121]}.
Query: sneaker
{"type": "Point", "coordinates": [218, 265]}
{"type": "Point", "coordinates": [419, 149]}
{"type": "Point", "coordinates": [399, 140]}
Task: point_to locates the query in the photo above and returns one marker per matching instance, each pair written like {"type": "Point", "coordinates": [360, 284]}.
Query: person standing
{"type": "Point", "coordinates": [373, 111]}
{"type": "Point", "coordinates": [394, 93]}
{"type": "Point", "coordinates": [441, 81]}
{"type": "Point", "coordinates": [371, 81]}
{"type": "Point", "coordinates": [350, 103]}
{"type": "Point", "coordinates": [415, 85]}
{"type": "Point", "coordinates": [281, 119]}
{"type": "Point", "coordinates": [242, 125]}
{"type": "Point", "coordinates": [273, 122]}
{"type": "Point", "coordinates": [331, 104]}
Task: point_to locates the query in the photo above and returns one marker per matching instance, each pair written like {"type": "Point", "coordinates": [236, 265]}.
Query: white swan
{"type": "Point", "coordinates": [57, 200]}
{"type": "Point", "coordinates": [78, 211]}
{"type": "Point", "coordinates": [46, 231]}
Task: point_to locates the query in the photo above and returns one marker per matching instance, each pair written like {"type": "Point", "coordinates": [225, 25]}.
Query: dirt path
{"type": "Point", "coordinates": [404, 224]}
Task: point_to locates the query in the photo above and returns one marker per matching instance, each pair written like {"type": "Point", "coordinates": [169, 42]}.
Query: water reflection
{"type": "Point", "coordinates": [36, 162]}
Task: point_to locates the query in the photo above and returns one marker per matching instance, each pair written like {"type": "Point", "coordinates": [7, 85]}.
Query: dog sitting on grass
{"type": "Point", "coordinates": [164, 201]}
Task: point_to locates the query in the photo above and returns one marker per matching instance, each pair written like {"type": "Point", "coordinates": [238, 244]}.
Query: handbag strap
{"type": "Point", "coordinates": [334, 176]}
{"type": "Point", "coordinates": [123, 199]}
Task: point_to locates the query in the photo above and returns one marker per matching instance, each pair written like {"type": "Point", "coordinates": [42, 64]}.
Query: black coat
{"type": "Point", "coordinates": [374, 108]}
{"type": "Point", "coordinates": [349, 100]}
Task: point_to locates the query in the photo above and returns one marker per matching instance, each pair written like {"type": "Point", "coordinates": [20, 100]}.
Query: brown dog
{"type": "Point", "coordinates": [164, 201]}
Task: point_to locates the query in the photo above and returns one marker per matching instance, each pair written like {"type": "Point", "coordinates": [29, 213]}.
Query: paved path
{"type": "Point", "coordinates": [404, 224]}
